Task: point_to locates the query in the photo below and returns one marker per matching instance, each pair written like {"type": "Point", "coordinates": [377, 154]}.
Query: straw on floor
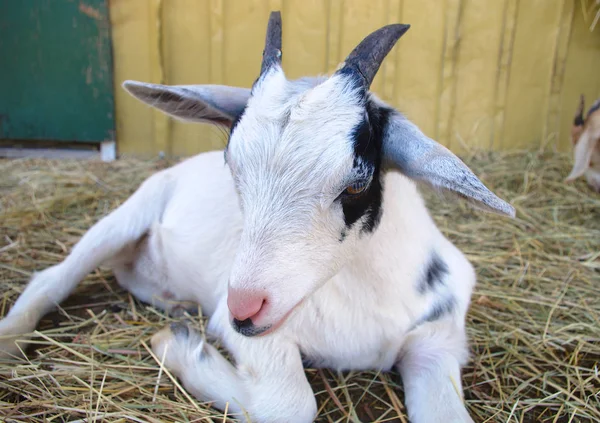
{"type": "Point", "coordinates": [534, 324]}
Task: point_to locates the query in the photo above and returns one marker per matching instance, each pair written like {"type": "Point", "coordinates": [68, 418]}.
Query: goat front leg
{"type": "Point", "coordinates": [429, 364]}
{"type": "Point", "coordinates": [268, 384]}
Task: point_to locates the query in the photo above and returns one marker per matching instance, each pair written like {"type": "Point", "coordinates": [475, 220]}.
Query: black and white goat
{"type": "Point", "coordinates": [311, 243]}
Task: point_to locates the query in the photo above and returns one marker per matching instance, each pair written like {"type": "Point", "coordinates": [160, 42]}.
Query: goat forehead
{"type": "Point", "coordinates": [302, 138]}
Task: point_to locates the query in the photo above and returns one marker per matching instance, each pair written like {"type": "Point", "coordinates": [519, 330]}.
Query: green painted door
{"type": "Point", "coordinates": [56, 71]}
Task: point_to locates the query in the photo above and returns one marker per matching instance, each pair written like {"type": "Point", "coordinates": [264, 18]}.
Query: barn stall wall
{"type": "Point", "coordinates": [499, 74]}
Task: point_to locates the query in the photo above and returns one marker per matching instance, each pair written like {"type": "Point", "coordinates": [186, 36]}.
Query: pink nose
{"type": "Point", "coordinates": [244, 304]}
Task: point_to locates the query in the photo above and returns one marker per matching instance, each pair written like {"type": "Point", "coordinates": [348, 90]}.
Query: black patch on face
{"type": "Point", "coordinates": [434, 275]}
{"type": "Point", "coordinates": [247, 328]}
{"type": "Point", "coordinates": [368, 140]}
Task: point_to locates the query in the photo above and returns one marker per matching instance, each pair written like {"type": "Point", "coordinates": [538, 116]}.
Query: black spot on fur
{"type": "Point", "coordinates": [578, 120]}
{"type": "Point", "coordinates": [247, 328]}
{"type": "Point", "coordinates": [434, 275]}
{"type": "Point", "coordinates": [343, 235]}
{"type": "Point", "coordinates": [439, 310]}
{"type": "Point", "coordinates": [367, 138]}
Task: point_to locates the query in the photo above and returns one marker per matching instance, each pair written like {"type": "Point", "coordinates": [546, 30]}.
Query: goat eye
{"type": "Point", "coordinates": [357, 187]}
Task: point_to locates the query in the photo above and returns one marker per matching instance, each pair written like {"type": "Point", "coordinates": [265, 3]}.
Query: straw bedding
{"type": "Point", "coordinates": [534, 325]}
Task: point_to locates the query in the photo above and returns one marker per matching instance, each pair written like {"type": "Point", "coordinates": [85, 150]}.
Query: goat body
{"type": "Point", "coordinates": [312, 244]}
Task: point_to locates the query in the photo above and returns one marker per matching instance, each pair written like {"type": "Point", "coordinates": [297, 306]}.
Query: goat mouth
{"type": "Point", "coordinates": [248, 328]}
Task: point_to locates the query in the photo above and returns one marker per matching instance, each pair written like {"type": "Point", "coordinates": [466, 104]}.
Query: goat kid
{"type": "Point", "coordinates": [313, 235]}
{"type": "Point", "coordinates": [585, 136]}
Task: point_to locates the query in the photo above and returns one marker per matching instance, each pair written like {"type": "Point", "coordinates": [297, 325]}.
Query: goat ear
{"type": "Point", "coordinates": [582, 154]}
{"type": "Point", "coordinates": [217, 104]}
{"type": "Point", "coordinates": [408, 150]}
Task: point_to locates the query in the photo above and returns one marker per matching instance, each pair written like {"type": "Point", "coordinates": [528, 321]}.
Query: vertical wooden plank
{"type": "Point", "coordinates": [334, 34]}
{"type": "Point", "coordinates": [509, 22]}
{"type": "Point", "coordinates": [419, 55]}
{"type": "Point", "coordinates": [530, 73]}
{"type": "Point", "coordinates": [304, 37]}
{"type": "Point", "coordinates": [217, 41]}
{"type": "Point", "coordinates": [450, 57]}
{"type": "Point", "coordinates": [132, 57]}
{"type": "Point", "coordinates": [360, 18]}
{"type": "Point", "coordinates": [188, 43]}
{"type": "Point", "coordinates": [277, 5]}
{"type": "Point", "coordinates": [245, 27]}
{"type": "Point", "coordinates": [389, 68]}
{"type": "Point", "coordinates": [475, 75]}
{"type": "Point", "coordinates": [161, 121]}
{"type": "Point", "coordinates": [581, 74]}
{"type": "Point", "coordinates": [552, 118]}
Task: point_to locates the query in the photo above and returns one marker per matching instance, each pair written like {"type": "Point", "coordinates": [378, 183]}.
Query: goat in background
{"type": "Point", "coordinates": [585, 134]}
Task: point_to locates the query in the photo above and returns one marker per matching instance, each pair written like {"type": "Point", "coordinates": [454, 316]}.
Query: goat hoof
{"type": "Point", "coordinates": [180, 311]}
{"type": "Point", "coordinates": [177, 344]}
{"type": "Point", "coordinates": [9, 348]}
{"type": "Point", "coordinates": [179, 329]}
{"type": "Point", "coordinates": [12, 343]}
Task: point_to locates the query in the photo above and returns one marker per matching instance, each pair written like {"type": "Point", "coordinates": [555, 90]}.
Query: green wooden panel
{"type": "Point", "coordinates": [56, 70]}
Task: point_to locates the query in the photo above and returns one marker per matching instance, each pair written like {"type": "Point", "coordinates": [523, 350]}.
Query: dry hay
{"type": "Point", "coordinates": [534, 324]}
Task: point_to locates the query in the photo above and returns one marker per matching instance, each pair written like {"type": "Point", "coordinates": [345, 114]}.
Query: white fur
{"type": "Point", "coordinates": [271, 224]}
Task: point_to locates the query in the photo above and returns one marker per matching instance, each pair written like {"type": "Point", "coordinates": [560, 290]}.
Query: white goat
{"type": "Point", "coordinates": [313, 235]}
{"type": "Point", "coordinates": [585, 136]}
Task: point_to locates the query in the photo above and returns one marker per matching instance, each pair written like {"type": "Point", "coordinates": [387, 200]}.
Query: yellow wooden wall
{"type": "Point", "coordinates": [497, 74]}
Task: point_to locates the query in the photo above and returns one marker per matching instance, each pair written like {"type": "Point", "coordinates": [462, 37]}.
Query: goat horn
{"type": "Point", "coordinates": [578, 121]}
{"type": "Point", "coordinates": [272, 51]}
{"type": "Point", "coordinates": [366, 58]}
